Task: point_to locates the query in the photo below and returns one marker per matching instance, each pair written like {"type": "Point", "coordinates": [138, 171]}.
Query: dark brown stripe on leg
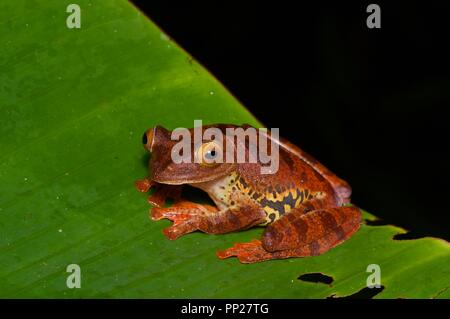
{"type": "Point", "coordinates": [234, 220]}
{"type": "Point", "coordinates": [314, 248]}
{"type": "Point", "coordinates": [340, 234]}
{"type": "Point", "coordinates": [328, 220]}
{"type": "Point", "coordinates": [301, 228]}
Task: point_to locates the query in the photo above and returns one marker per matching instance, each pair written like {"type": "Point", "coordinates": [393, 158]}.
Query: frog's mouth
{"type": "Point", "coordinates": [186, 173]}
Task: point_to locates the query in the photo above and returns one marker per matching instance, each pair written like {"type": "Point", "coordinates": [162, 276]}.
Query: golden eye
{"type": "Point", "coordinates": [147, 139]}
{"type": "Point", "coordinates": [208, 153]}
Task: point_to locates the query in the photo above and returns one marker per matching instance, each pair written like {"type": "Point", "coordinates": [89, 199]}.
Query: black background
{"type": "Point", "coordinates": [368, 103]}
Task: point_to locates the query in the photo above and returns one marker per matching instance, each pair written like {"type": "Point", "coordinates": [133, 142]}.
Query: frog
{"type": "Point", "coordinates": [304, 208]}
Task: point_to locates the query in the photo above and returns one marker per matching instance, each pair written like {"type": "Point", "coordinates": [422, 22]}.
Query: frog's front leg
{"type": "Point", "coordinates": [297, 234]}
{"type": "Point", "coordinates": [161, 193]}
{"type": "Point", "coordinates": [182, 211]}
{"type": "Point", "coordinates": [189, 217]}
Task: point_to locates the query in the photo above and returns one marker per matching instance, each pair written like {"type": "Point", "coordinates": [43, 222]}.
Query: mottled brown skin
{"type": "Point", "coordinates": [303, 204]}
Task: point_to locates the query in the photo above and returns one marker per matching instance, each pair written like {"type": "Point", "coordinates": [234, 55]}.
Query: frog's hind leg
{"type": "Point", "coordinates": [300, 235]}
{"type": "Point", "coordinates": [312, 233]}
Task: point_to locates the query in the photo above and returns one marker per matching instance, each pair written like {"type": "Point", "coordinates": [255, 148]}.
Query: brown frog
{"type": "Point", "coordinates": [305, 208]}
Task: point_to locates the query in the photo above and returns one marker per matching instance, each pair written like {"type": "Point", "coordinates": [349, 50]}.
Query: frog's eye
{"type": "Point", "coordinates": [147, 139]}
{"type": "Point", "coordinates": [209, 153]}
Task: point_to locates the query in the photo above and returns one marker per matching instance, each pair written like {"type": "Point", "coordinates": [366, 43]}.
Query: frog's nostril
{"type": "Point", "coordinates": [144, 138]}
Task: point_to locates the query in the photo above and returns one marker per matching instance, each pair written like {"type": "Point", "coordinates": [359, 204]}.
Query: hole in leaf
{"type": "Point", "coordinates": [365, 293]}
{"type": "Point", "coordinates": [317, 277]}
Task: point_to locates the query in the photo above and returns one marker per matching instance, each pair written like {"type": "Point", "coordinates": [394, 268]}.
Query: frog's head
{"type": "Point", "coordinates": [197, 167]}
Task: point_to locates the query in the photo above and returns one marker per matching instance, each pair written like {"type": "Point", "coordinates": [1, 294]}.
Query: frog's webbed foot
{"type": "Point", "coordinates": [185, 216]}
{"type": "Point", "coordinates": [254, 252]}
{"type": "Point", "coordinates": [246, 252]}
{"type": "Point", "coordinates": [161, 193]}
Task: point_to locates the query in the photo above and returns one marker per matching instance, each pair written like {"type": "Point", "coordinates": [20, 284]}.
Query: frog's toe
{"type": "Point", "coordinates": [246, 252]}
{"type": "Point", "coordinates": [176, 216]}
{"type": "Point", "coordinates": [177, 230]}
{"type": "Point", "coordinates": [157, 213]}
{"type": "Point", "coordinates": [181, 211]}
{"type": "Point", "coordinates": [156, 201]}
{"type": "Point", "coordinates": [144, 185]}
{"type": "Point", "coordinates": [171, 233]}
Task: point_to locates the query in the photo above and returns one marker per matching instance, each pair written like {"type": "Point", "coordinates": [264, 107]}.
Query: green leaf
{"type": "Point", "coordinates": [74, 104]}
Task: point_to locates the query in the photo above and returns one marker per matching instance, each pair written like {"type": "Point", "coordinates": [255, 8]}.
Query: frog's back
{"type": "Point", "coordinates": [298, 180]}
{"type": "Point", "coordinates": [299, 160]}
